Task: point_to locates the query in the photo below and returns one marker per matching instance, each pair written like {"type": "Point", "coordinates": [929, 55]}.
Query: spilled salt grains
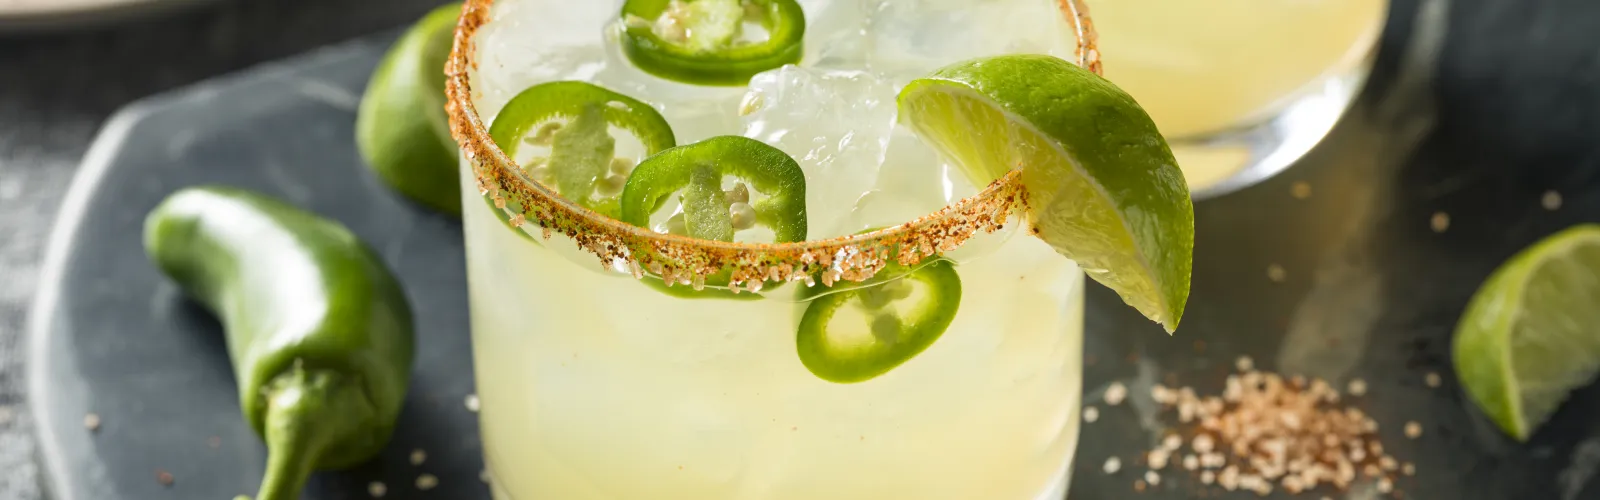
{"type": "Point", "coordinates": [418, 457]}
{"type": "Point", "coordinates": [1172, 442]}
{"type": "Point", "coordinates": [471, 403]}
{"type": "Point", "coordinates": [1357, 387]}
{"type": "Point", "coordinates": [1269, 433]}
{"type": "Point", "coordinates": [1551, 201]}
{"type": "Point", "coordinates": [377, 489]}
{"type": "Point", "coordinates": [1432, 379]}
{"type": "Point", "coordinates": [1112, 465]}
{"type": "Point", "coordinates": [1276, 273]}
{"type": "Point", "coordinates": [1152, 478]}
{"type": "Point", "coordinates": [1440, 222]}
{"type": "Point", "coordinates": [91, 422]}
{"type": "Point", "coordinates": [1157, 459]}
{"type": "Point", "coordinates": [1115, 393]}
{"type": "Point", "coordinates": [1090, 414]}
{"type": "Point", "coordinates": [426, 482]}
{"type": "Point", "coordinates": [1300, 190]}
{"type": "Point", "coordinates": [1413, 430]}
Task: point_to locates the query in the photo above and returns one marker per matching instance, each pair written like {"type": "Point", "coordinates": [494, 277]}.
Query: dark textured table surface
{"type": "Point", "coordinates": [57, 89]}
{"type": "Point", "coordinates": [1514, 85]}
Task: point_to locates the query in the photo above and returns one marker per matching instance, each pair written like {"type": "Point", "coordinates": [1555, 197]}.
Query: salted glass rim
{"type": "Point", "coordinates": [687, 260]}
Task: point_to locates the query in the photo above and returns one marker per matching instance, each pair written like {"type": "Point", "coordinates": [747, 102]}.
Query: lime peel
{"type": "Point", "coordinates": [1526, 339]}
{"type": "Point", "coordinates": [1102, 185]}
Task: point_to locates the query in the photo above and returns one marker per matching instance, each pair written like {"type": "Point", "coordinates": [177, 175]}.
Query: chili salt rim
{"type": "Point", "coordinates": [685, 260]}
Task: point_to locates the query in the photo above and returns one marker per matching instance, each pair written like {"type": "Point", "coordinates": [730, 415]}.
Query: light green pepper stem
{"type": "Point", "coordinates": [307, 411]}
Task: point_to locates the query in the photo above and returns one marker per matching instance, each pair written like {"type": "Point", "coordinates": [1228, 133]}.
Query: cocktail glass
{"type": "Point", "coordinates": [599, 381]}
{"type": "Point", "coordinates": [1241, 88]}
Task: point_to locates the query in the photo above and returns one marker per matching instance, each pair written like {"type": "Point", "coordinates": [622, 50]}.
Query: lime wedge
{"type": "Point", "coordinates": [1531, 334]}
{"type": "Point", "coordinates": [1103, 188]}
{"type": "Point", "coordinates": [401, 128]}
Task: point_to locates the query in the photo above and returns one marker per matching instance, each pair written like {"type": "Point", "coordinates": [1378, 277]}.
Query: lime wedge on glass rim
{"type": "Point", "coordinates": [1531, 333]}
{"type": "Point", "coordinates": [1103, 187]}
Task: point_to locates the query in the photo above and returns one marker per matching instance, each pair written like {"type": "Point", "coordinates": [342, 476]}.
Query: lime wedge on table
{"type": "Point", "coordinates": [401, 128]}
{"type": "Point", "coordinates": [1531, 334]}
{"type": "Point", "coordinates": [1103, 188]}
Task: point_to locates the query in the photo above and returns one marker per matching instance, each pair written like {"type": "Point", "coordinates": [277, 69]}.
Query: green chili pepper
{"type": "Point", "coordinates": [699, 41]}
{"type": "Point", "coordinates": [319, 331]}
{"type": "Point", "coordinates": [859, 352]}
{"type": "Point", "coordinates": [574, 119]}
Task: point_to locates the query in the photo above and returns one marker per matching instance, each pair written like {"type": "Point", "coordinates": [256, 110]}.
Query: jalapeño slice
{"type": "Point", "coordinates": [709, 212]}
{"type": "Point", "coordinates": [703, 41]}
{"type": "Point", "coordinates": [574, 119]}
{"type": "Point", "coordinates": [695, 172]}
{"type": "Point", "coordinates": [848, 352]}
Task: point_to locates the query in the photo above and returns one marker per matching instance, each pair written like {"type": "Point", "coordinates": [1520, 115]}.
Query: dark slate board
{"type": "Point", "coordinates": [114, 338]}
{"type": "Point", "coordinates": [1451, 123]}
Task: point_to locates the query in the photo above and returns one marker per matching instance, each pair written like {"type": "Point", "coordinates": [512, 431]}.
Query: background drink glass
{"type": "Point", "coordinates": [1242, 88]}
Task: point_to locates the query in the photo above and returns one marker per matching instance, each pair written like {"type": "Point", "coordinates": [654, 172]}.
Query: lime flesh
{"type": "Point", "coordinates": [1103, 187]}
{"type": "Point", "coordinates": [1531, 334]}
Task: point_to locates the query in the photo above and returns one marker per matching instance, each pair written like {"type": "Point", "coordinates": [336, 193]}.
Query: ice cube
{"type": "Point", "coordinates": [527, 43]}
{"type": "Point", "coordinates": [910, 38]}
{"type": "Point", "coordinates": [836, 33]}
{"type": "Point", "coordinates": [696, 112]}
{"type": "Point", "coordinates": [836, 123]}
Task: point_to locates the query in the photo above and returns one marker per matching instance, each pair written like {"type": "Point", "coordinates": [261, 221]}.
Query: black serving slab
{"type": "Point", "coordinates": [1355, 263]}
{"type": "Point", "coordinates": [113, 338]}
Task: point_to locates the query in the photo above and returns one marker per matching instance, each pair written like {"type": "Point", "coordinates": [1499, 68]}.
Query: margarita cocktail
{"type": "Point", "coordinates": [741, 249]}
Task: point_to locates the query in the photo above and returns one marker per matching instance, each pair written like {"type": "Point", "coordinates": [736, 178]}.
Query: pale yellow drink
{"type": "Point", "coordinates": [1203, 67]}
{"type": "Point", "coordinates": [594, 385]}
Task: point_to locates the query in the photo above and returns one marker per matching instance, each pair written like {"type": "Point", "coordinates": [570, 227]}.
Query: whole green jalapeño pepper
{"type": "Point", "coordinates": [573, 119]}
{"type": "Point", "coordinates": [319, 332]}
{"type": "Point", "coordinates": [703, 41]}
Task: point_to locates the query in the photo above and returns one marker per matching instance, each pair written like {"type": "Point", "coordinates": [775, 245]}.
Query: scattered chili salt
{"type": "Point", "coordinates": [426, 482]}
{"type": "Point", "coordinates": [1440, 222]}
{"type": "Point", "coordinates": [1551, 200]}
{"type": "Point", "coordinates": [1115, 393]}
{"type": "Point", "coordinates": [1300, 190]}
{"type": "Point", "coordinates": [1269, 433]}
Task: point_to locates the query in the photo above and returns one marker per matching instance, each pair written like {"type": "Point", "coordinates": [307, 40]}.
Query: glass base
{"type": "Point", "coordinates": [1225, 162]}
{"type": "Point", "coordinates": [1057, 490]}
